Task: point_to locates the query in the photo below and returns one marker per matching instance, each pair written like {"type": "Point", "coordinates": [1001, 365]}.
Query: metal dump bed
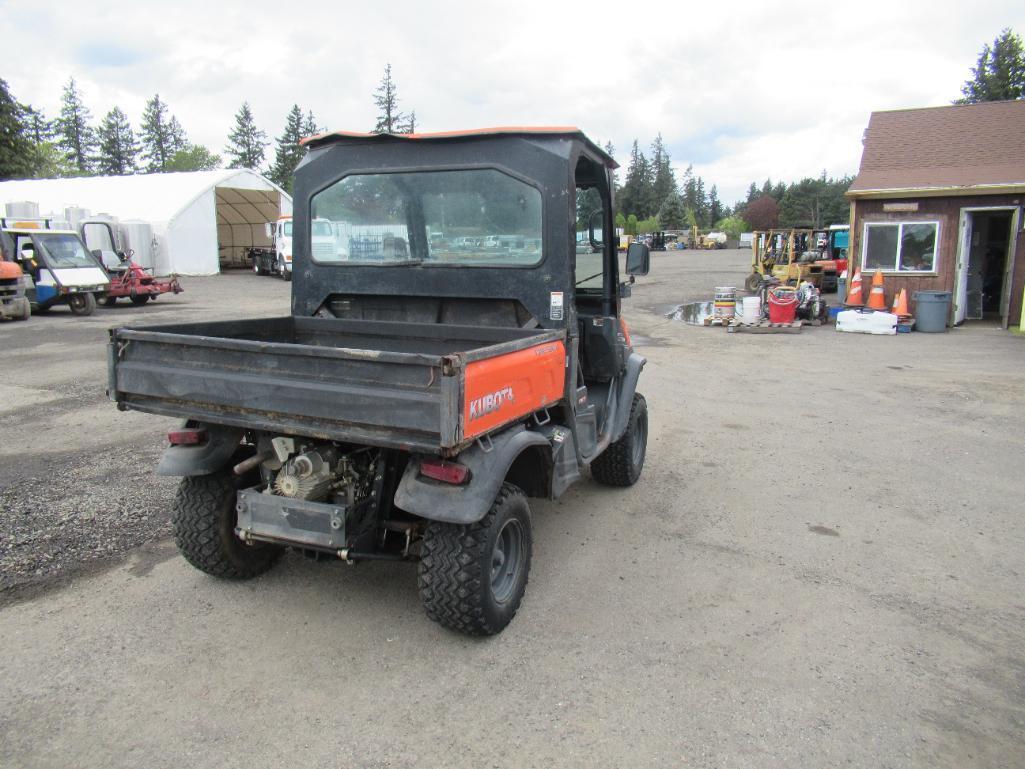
{"type": "Point", "coordinates": [390, 384]}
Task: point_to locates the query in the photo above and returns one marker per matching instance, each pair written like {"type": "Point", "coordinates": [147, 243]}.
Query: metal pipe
{"type": "Point", "coordinates": [246, 465]}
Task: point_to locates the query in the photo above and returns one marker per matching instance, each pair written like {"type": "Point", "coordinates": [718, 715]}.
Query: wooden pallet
{"type": "Point", "coordinates": [764, 327]}
{"type": "Point", "coordinates": [714, 321]}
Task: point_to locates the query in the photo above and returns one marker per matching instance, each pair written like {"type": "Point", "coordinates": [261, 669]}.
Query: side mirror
{"type": "Point", "coordinates": [638, 259]}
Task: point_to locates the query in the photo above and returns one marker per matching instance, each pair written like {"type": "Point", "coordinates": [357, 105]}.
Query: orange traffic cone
{"type": "Point", "coordinates": [877, 298]}
{"type": "Point", "coordinates": [854, 297]}
{"type": "Point", "coordinates": [900, 304]}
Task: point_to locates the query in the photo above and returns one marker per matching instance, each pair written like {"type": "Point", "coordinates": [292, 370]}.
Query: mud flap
{"type": "Point", "coordinates": [468, 503]}
{"type": "Point", "coordinates": [221, 443]}
{"type": "Point", "coordinates": [625, 396]}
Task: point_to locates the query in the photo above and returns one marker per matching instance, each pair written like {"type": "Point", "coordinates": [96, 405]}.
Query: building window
{"type": "Point", "coordinates": [901, 246]}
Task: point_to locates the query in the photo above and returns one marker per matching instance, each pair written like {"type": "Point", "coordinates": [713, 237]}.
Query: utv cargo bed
{"type": "Point", "coordinates": [418, 387]}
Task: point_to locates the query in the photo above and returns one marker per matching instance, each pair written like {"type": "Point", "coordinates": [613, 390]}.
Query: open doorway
{"type": "Point", "coordinates": [984, 270]}
{"type": "Point", "coordinates": [241, 216]}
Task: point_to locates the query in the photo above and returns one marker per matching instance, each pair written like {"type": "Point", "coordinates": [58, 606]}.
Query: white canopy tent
{"type": "Point", "coordinates": [201, 220]}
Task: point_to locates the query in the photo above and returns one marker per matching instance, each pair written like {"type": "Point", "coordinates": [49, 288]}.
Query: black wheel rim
{"type": "Point", "coordinates": [640, 440]}
{"type": "Point", "coordinates": [506, 560]}
{"type": "Point", "coordinates": [77, 302]}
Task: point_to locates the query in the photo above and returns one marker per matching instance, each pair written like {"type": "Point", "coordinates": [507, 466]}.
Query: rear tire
{"type": "Point", "coordinates": [753, 282]}
{"type": "Point", "coordinates": [140, 299]}
{"type": "Point", "coordinates": [473, 577]}
{"type": "Point", "coordinates": [109, 301]}
{"type": "Point", "coordinates": [622, 462]}
{"type": "Point", "coordinates": [203, 521]}
{"type": "Point", "coordinates": [26, 310]}
{"type": "Point", "coordinates": [82, 304]}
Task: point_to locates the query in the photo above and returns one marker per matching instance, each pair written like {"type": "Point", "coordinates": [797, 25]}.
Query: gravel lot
{"type": "Point", "coordinates": [822, 566]}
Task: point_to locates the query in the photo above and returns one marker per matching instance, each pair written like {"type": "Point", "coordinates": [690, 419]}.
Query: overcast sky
{"type": "Point", "coordinates": [743, 91]}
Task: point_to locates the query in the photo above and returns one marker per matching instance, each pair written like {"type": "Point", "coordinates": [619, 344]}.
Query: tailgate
{"type": "Point", "coordinates": [375, 390]}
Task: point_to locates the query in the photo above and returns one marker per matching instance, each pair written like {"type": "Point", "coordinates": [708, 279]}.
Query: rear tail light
{"type": "Point", "coordinates": [446, 472]}
{"type": "Point", "coordinates": [187, 437]}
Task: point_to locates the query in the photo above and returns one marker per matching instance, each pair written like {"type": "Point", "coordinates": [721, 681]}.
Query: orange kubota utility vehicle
{"type": "Point", "coordinates": [455, 350]}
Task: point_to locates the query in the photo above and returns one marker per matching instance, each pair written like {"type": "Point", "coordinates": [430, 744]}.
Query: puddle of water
{"type": "Point", "coordinates": [693, 313]}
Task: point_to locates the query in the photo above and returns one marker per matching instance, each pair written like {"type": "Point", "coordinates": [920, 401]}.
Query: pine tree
{"type": "Point", "coordinates": [310, 127]}
{"type": "Point", "coordinates": [664, 181]}
{"type": "Point", "coordinates": [15, 144]}
{"type": "Point", "coordinates": [386, 98]}
{"type": "Point", "coordinates": [672, 215]}
{"type": "Point", "coordinates": [246, 143]}
{"type": "Point", "coordinates": [288, 152]}
{"type": "Point", "coordinates": [74, 134]}
{"type": "Point", "coordinates": [155, 135]}
{"type": "Point", "coordinates": [999, 73]}
{"type": "Point", "coordinates": [715, 207]}
{"type": "Point", "coordinates": [118, 147]}
{"type": "Point", "coordinates": [37, 127]}
{"type": "Point", "coordinates": [409, 127]}
{"type": "Point", "coordinates": [177, 141]}
{"type": "Point", "coordinates": [637, 196]}
{"type": "Point", "coordinates": [752, 193]}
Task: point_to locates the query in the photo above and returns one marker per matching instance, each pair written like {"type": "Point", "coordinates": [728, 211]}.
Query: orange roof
{"type": "Point", "coordinates": [469, 134]}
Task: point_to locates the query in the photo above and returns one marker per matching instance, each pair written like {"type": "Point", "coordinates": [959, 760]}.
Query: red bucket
{"type": "Point", "coordinates": [782, 304]}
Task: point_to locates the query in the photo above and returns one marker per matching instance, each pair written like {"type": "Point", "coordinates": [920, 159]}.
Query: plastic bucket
{"type": "Point", "coordinates": [725, 301]}
{"type": "Point", "coordinates": [751, 309]}
{"type": "Point", "coordinates": [932, 309]}
{"type": "Point", "coordinates": [782, 304]}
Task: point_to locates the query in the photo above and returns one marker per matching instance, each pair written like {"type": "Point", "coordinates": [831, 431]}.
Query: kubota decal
{"type": "Point", "coordinates": [511, 386]}
{"type": "Point", "coordinates": [490, 402]}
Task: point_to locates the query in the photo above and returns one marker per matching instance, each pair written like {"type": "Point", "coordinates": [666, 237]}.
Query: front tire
{"type": "Point", "coordinates": [473, 577]}
{"type": "Point", "coordinates": [203, 521]}
{"type": "Point", "coordinates": [284, 273]}
{"type": "Point", "coordinates": [753, 282]}
{"type": "Point", "coordinates": [82, 304]}
{"type": "Point", "coordinates": [622, 462]}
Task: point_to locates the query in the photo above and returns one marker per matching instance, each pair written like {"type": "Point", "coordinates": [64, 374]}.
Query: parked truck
{"type": "Point", "coordinates": [410, 404]}
{"type": "Point", "coordinates": [278, 259]}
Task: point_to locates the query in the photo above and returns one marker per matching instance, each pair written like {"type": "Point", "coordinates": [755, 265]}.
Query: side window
{"type": "Point", "coordinates": [589, 240]}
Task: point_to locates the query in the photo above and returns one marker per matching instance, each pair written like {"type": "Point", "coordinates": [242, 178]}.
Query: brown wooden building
{"type": "Point", "coordinates": [937, 205]}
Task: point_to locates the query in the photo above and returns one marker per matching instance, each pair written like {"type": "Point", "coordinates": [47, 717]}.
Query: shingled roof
{"type": "Point", "coordinates": [967, 148]}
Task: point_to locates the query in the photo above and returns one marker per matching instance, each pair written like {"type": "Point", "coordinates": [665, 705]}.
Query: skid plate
{"type": "Point", "coordinates": [270, 518]}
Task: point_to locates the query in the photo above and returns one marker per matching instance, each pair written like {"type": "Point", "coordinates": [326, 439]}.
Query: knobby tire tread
{"type": "Point", "coordinates": [450, 578]}
{"type": "Point", "coordinates": [614, 466]}
{"type": "Point", "coordinates": [197, 523]}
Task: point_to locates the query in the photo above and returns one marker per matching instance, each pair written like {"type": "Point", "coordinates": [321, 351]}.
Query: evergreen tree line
{"type": "Point", "coordinates": [72, 144]}
{"type": "Point", "coordinates": [651, 199]}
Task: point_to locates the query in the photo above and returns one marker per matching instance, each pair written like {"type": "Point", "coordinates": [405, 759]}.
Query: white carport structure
{"type": "Point", "coordinates": [201, 221]}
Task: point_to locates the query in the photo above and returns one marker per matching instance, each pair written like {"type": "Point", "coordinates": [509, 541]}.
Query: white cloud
{"type": "Point", "coordinates": [744, 91]}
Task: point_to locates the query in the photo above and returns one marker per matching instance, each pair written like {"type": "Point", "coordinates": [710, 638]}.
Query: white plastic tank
{"type": "Point", "coordinates": [138, 237]}
{"type": "Point", "coordinates": [22, 209]}
{"type": "Point", "coordinates": [74, 215]}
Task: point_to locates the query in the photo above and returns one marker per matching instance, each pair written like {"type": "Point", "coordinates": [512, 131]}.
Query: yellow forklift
{"type": "Point", "coordinates": [791, 257]}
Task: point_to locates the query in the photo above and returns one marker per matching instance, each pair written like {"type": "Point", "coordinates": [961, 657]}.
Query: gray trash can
{"type": "Point", "coordinates": [931, 310]}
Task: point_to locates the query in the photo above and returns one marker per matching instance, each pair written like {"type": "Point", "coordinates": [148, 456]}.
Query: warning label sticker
{"type": "Point", "coordinates": [555, 308]}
